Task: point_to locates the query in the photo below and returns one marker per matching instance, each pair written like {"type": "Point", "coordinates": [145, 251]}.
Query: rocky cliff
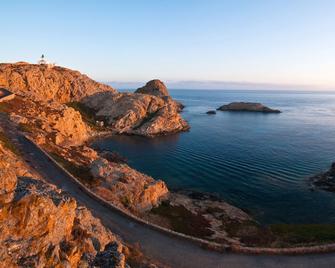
{"type": "Point", "coordinates": [42, 227]}
{"type": "Point", "coordinates": [42, 83]}
{"type": "Point", "coordinates": [51, 122]}
{"type": "Point", "coordinates": [138, 114]}
{"type": "Point", "coordinates": [149, 112]}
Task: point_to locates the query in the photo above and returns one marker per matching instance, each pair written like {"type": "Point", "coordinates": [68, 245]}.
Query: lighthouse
{"type": "Point", "coordinates": [42, 61]}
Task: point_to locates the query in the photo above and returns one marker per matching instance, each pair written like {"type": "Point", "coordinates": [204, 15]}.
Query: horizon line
{"type": "Point", "coordinates": [223, 85]}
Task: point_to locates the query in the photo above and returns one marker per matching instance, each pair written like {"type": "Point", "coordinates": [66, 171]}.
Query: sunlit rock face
{"type": "Point", "coordinates": [154, 87]}
{"type": "Point", "coordinates": [42, 83]}
{"type": "Point", "coordinates": [126, 187]}
{"type": "Point", "coordinates": [150, 111]}
{"type": "Point", "coordinates": [42, 227]}
{"type": "Point", "coordinates": [45, 121]}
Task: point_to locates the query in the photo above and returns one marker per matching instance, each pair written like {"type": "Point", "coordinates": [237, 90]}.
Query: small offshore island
{"type": "Point", "coordinates": [247, 107]}
{"type": "Point", "coordinates": [62, 111]}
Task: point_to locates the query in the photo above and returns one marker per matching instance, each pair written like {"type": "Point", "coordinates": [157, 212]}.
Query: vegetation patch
{"type": "Point", "coordinates": [26, 128]}
{"type": "Point", "coordinates": [80, 172]}
{"type": "Point", "coordinates": [304, 233]}
{"type": "Point", "coordinates": [114, 157]}
{"type": "Point", "coordinates": [88, 114]}
{"type": "Point", "coordinates": [5, 107]}
{"type": "Point", "coordinates": [281, 235]}
{"type": "Point", "coordinates": [184, 221]}
{"type": "Point", "coordinates": [8, 144]}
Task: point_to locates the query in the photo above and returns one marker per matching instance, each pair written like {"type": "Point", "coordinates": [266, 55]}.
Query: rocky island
{"type": "Point", "coordinates": [326, 180]}
{"type": "Point", "coordinates": [247, 107]}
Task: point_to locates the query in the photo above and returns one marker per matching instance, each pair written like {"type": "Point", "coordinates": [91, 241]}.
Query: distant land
{"type": "Point", "coordinates": [216, 85]}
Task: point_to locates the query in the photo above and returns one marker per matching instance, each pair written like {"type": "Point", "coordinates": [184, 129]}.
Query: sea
{"type": "Point", "coordinates": [258, 162]}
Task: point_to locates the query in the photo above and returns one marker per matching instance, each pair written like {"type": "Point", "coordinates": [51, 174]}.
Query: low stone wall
{"type": "Point", "coordinates": [204, 243]}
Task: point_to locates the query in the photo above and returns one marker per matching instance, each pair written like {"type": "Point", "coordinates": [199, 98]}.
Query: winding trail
{"type": "Point", "coordinates": [171, 251]}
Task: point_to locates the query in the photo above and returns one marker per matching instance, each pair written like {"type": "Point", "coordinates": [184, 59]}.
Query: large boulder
{"type": "Point", "coordinates": [126, 187]}
{"type": "Point", "coordinates": [154, 87]}
{"type": "Point", "coordinates": [40, 82]}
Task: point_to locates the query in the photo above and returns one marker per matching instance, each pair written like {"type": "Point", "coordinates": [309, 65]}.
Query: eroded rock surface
{"type": "Point", "coordinates": [42, 83]}
{"type": "Point", "coordinates": [126, 187]}
{"type": "Point", "coordinates": [49, 121]}
{"type": "Point", "coordinates": [138, 114]}
{"type": "Point", "coordinates": [154, 87]}
{"type": "Point", "coordinates": [247, 107]}
{"type": "Point", "coordinates": [42, 227]}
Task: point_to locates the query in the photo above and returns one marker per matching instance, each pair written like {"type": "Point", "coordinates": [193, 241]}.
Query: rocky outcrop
{"type": "Point", "coordinates": [149, 114]}
{"type": "Point", "coordinates": [138, 114]}
{"type": "Point", "coordinates": [58, 123]}
{"type": "Point", "coordinates": [247, 107]}
{"type": "Point", "coordinates": [154, 87]}
{"type": "Point", "coordinates": [211, 112]}
{"type": "Point", "coordinates": [42, 227]}
{"type": "Point", "coordinates": [326, 180]}
{"type": "Point", "coordinates": [42, 83]}
{"type": "Point", "coordinates": [126, 187]}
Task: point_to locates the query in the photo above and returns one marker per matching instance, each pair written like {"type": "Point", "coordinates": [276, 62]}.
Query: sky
{"type": "Point", "coordinates": [192, 42]}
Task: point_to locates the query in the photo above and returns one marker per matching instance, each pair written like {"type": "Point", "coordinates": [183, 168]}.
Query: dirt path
{"type": "Point", "coordinates": [177, 253]}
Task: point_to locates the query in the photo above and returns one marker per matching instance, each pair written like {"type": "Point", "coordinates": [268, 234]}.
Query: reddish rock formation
{"type": "Point", "coordinates": [42, 227]}
{"type": "Point", "coordinates": [138, 114]}
{"type": "Point", "coordinates": [42, 83]}
{"type": "Point", "coordinates": [154, 87]}
{"type": "Point", "coordinates": [56, 122]}
{"type": "Point", "coordinates": [126, 187]}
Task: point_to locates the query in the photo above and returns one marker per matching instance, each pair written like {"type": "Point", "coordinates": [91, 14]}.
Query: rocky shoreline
{"type": "Point", "coordinates": [64, 130]}
{"type": "Point", "coordinates": [64, 126]}
{"type": "Point", "coordinates": [326, 180]}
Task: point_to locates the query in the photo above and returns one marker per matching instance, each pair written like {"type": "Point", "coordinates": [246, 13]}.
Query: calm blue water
{"type": "Point", "coordinates": [258, 162]}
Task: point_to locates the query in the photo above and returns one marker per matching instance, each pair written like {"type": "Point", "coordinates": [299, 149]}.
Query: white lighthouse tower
{"type": "Point", "coordinates": [42, 60]}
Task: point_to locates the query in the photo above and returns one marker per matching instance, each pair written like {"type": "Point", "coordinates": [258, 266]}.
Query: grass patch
{"type": "Point", "coordinates": [5, 107]}
{"type": "Point", "coordinates": [80, 172]}
{"type": "Point", "coordinates": [88, 114]}
{"type": "Point", "coordinates": [8, 144]}
{"type": "Point", "coordinates": [184, 221]}
{"type": "Point", "coordinates": [282, 235]}
{"type": "Point", "coordinates": [26, 128]}
{"type": "Point", "coordinates": [125, 200]}
{"type": "Point", "coordinates": [304, 233]}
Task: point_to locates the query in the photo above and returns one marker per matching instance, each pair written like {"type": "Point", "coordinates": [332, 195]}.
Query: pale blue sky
{"type": "Point", "coordinates": [260, 41]}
